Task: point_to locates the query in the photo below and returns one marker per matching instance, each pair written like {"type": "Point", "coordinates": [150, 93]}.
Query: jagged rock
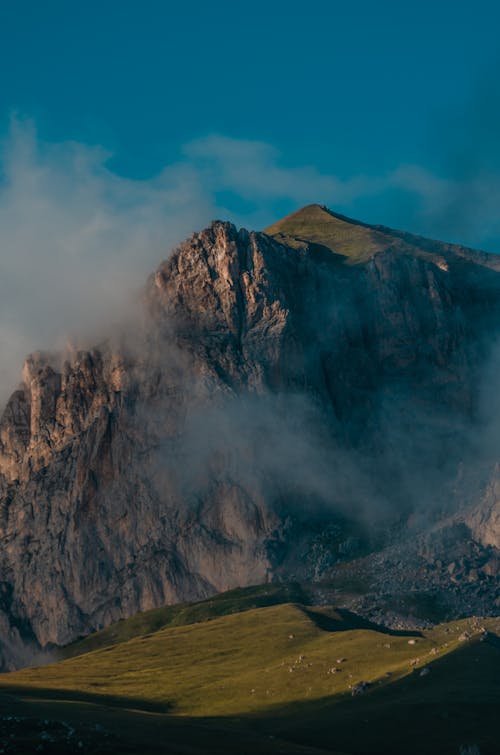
{"type": "Point", "coordinates": [270, 418]}
{"type": "Point", "coordinates": [485, 519]}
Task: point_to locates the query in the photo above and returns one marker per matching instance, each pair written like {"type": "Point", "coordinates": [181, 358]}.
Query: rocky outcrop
{"type": "Point", "coordinates": [484, 519]}
{"type": "Point", "coordinates": [283, 407]}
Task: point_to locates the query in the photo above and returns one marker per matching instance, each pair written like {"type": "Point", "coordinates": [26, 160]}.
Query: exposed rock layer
{"type": "Point", "coordinates": [287, 404]}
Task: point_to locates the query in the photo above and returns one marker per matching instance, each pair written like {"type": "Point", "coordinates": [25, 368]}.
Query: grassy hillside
{"type": "Point", "coordinates": [181, 614]}
{"type": "Point", "coordinates": [263, 680]}
{"type": "Point", "coordinates": [355, 241]}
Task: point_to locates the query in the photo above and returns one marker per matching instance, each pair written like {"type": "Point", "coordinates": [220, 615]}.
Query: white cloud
{"type": "Point", "coordinates": [76, 240]}
{"type": "Point", "coordinates": [252, 169]}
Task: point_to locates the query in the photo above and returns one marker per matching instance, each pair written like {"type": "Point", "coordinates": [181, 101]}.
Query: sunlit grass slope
{"type": "Point", "coordinates": [318, 225]}
{"type": "Point", "coordinates": [234, 664]}
{"type": "Point", "coordinates": [234, 601]}
{"type": "Point", "coordinates": [282, 673]}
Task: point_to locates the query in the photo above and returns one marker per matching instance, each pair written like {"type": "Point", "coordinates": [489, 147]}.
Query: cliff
{"type": "Point", "coordinates": [292, 401]}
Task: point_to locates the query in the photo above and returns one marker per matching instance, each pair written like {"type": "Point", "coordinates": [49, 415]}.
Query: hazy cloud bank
{"type": "Point", "coordinates": [77, 240]}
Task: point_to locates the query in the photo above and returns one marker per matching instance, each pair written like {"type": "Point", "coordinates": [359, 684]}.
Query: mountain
{"type": "Point", "coordinates": [315, 402]}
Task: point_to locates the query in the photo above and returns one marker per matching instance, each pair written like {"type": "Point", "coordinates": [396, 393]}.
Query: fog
{"type": "Point", "coordinates": [278, 448]}
{"type": "Point", "coordinates": [77, 240]}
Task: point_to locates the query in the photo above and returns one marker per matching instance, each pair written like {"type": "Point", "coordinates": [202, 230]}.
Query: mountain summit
{"type": "Point", "coordinates": [319, 225]}
{"type": "Point", "coordinates": [358, 242]}
{"type": "Point", "coordinates": [280, 412]}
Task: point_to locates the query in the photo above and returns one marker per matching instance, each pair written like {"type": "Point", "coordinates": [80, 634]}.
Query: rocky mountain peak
{"type": "Point", "coordinates": [318, 225]}
{"type": "Point", "coordinates": [293, 400]}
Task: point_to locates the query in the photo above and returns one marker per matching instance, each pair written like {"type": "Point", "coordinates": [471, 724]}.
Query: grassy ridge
{"type": "Point", "coordinates": [355, 241]}
{"type": "Point", "coordinates": [232, 665]}
{"type": "Point", "coordinates": [262, 680]}
{"type": "Point", "coordinates": [351, 241]}
{"type": "Point", "coordinates": [181, 614]}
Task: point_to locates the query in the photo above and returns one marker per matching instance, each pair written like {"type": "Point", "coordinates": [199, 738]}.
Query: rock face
{"type": "Point", "coordinates": [293, 400]}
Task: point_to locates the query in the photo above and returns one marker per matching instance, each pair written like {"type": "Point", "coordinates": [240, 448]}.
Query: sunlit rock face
{"type": "Point", "coordinates": [290, 400]}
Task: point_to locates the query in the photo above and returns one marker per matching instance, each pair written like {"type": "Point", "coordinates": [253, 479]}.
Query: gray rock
{"type": "Point", "coordinates": [273, 401]}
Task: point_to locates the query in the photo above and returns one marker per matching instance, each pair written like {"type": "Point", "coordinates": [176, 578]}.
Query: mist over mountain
{"type": "Point", "coordinates": [316, 402]}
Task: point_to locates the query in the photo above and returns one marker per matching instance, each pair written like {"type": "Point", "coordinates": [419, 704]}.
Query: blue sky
{"type": "Point", "coordinates": [126, 125]}
{"type": "Point", "coordinates": [348, 88]}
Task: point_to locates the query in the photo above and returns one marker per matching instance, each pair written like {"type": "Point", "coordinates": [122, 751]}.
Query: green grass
{"type": "Point", "coordinates": [257, 680]}
{"type": "Point", "coordinates": [181, 614]}
{"type": "Point", "coordinates": [232, 665]}
{"type": "Point", "coordinates": [354, 241]}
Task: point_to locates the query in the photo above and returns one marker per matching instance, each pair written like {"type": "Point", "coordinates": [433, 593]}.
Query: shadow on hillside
{"type": "Point", "coordinates": [318, 252]}
{"type": "Point", "coordinates": [140, 732]}
{"type": "Point", "coordinates": [341, 620]}
{"type": "Point", "coordinates": [454, 705]}
{"type": "Point", "coordinates": [94, 698]}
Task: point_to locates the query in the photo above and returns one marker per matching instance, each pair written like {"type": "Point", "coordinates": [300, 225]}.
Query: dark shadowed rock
{"type": "Point", "coordinates": [292, 400]}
